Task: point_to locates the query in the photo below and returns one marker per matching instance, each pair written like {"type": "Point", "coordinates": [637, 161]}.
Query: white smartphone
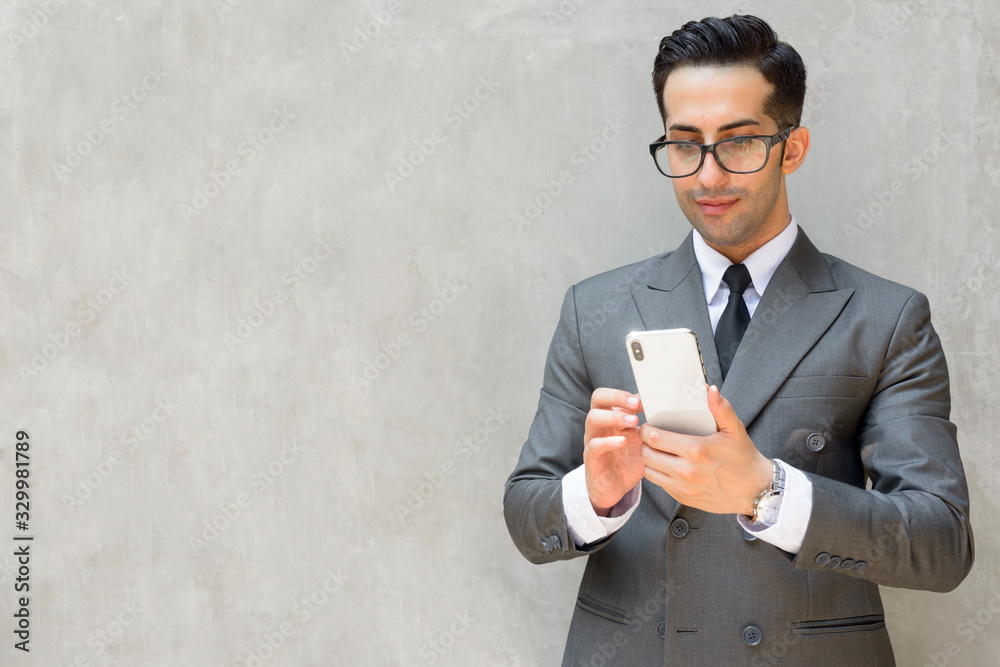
{"type": "Point", "coordinates": [670, 375]}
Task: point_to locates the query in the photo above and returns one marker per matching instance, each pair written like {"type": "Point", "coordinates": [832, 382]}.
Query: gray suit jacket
{"type": "Point", "coordinates": [841, 375]}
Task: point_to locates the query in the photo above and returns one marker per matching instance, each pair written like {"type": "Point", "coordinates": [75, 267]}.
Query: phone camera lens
{"type": "Point", "coordinates": [637, 350]}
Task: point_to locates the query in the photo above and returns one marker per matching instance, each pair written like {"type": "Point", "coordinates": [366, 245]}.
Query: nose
{"type": "Point", "coordinates": [711, 174]}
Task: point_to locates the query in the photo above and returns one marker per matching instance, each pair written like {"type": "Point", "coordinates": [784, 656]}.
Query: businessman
{"type": "Point", "coordinates": [835, 468]}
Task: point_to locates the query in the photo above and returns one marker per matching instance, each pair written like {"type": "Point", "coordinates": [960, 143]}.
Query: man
{"type": "Point", "coordinates": [759, 544]}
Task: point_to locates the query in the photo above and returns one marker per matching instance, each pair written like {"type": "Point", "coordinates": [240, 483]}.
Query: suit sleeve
{"type": "Point", "coordinates": [533, 505]}
{"type": "Point", "coordinates": [911, 529]}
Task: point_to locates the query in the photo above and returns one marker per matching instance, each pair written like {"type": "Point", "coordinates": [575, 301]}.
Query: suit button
{"type": "Point", "coordinates": [860, 566]}
{"type": "Point", "coordinates": [556, 542]}
{"type": "Point", "coordinates": [748, 536]}
{"type": "Point", "coordinates": [822, 559]}
{"type": "Point", "coordinates": [846, 564]}
{"type": "Point", "coordinates": [679, 527]}
{"type": "Point", "coordinates": [815, 441]}
{"type": "Point", "coordinates": [751, 635]}
{"type": "Point", "coordinates": [546, 545]}
{"type": "Point", "coordinates": [834, 562]}
{"type": "Point", "coordinates": [662, 629]}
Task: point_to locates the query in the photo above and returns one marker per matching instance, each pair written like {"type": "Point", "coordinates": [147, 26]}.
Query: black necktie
{"type": "Point", "coordinates": [735, 318]}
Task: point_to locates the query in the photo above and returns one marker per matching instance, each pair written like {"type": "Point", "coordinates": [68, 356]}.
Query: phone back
{"type": "Point", "coordinates": [670, 376]}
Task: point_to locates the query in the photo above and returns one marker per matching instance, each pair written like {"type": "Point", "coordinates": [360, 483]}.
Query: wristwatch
{"type": "Point", "coordinates": [768, 502]}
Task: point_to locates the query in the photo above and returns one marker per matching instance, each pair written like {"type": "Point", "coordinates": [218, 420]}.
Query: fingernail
{"type": "Point", "coordinates": [633, 401]}
{"type": "Point", "coordinates": [631, 419]}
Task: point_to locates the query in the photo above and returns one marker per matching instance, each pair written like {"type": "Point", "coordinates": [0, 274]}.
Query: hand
{"type": "Point", "coordinates": [611, 447]}
{"type": "Point", "coordinates": [721, 473]}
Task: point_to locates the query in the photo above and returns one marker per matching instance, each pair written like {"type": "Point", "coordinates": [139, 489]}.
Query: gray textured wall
{"type": "Point", "coordinates": [276, 331]}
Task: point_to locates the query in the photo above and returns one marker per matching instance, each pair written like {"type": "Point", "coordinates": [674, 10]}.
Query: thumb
{"type": "Point", "coordinates": [722, 410]}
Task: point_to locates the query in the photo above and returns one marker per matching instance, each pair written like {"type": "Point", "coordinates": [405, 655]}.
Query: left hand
{"type": "Point", "coordinates": [721, 473]}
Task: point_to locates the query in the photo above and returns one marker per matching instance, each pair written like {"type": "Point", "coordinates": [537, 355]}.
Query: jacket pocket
{"type": "Point", "coordinates": [838, 625]}
{"type": "Point", "coordinates": [595, 606]}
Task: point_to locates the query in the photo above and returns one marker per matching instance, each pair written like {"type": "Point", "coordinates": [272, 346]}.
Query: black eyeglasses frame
{"type": "Point", "coordinates": [769, 141]}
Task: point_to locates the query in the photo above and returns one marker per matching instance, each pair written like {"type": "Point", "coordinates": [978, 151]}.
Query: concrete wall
{"type": "Point", "coordinates": [262, 276]}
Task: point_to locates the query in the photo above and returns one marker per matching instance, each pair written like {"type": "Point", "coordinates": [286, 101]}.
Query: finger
{"type": "Point", "coordinates": [657, 477]}
{"type": "Point", "coordinates": [605, 445]}
{"type": "Point", "coordinates": [605, 398]}
{"type": "Point", "coordinates": [665, 469]}
{"type": "Point", "coordinates": [669, 483]}
{"type": "Point", "coordinates": [611, 419]}
{"type": "Point", "coordinates": [722, 410]}
{"type": "Point", "coordinates": [653, 458]}
{"type": "Point", "coordinates": [664, 441]}
{"type": "Point", "coordinates": [677, 489]}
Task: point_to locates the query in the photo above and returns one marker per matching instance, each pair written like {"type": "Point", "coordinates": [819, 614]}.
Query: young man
{"type": "Point", "coordinates": [759, 544]}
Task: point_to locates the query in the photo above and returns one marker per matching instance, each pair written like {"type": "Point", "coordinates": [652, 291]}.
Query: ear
{"type": "Point", "coordinates": [796, 147]}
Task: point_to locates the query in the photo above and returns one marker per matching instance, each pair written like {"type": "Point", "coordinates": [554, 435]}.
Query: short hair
{"type": "Point", "coordinates": [737, 41]}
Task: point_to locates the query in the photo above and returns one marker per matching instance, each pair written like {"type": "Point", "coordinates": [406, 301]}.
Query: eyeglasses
{"type": "Point", "coordinates": [737, 155]}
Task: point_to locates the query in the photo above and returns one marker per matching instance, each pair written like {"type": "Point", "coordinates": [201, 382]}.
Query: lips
{"type": "Point", "coordinates": [715, 206]}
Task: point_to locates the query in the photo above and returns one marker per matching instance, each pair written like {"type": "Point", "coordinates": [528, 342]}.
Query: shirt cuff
{"type": "Point", "coordinates": [585, 527]}
{"type": "Point", "coordinates": [793, 516]}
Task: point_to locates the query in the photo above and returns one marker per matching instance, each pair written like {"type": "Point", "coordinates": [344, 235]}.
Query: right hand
{"type": "Point", "coordinates": [612, 448]}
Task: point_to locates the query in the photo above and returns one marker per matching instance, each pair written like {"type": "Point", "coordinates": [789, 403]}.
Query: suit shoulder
{"type": "Point", "coordinates": [867, 284]}
{"type": "Point", "coordinates": [617, 280]}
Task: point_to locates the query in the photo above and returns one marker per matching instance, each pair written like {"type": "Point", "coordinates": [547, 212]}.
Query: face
{"type": "Point", "coordinates": [735, 213]}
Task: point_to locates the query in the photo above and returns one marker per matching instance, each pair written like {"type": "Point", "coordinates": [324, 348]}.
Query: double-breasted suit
{"type": "Point", "coordinates": [839, 374]}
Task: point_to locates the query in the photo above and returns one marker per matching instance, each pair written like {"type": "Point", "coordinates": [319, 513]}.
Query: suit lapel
{"type": "Point", "coordinates": [799, 305]}
{"type": "Point", "coordinates": [672, 296]}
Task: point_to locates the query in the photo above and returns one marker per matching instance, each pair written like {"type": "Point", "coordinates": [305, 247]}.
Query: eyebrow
{"type": "Point", "coordinates": [725, 128]}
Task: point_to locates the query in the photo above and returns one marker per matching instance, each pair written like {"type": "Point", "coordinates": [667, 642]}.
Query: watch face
{"type": "Point", "coordinates": [767, 509]}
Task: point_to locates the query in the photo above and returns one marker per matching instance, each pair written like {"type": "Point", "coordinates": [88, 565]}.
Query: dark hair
{"type": "Point", "coordinates": [733, 41]}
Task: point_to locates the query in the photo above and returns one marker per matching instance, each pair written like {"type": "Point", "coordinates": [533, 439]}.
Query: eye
{"type": "Point", "coordinates": [685, 149]}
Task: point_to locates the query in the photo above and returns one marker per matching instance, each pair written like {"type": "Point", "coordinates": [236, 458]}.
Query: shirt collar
{"type": "Point", "coordinates": [761, 264]}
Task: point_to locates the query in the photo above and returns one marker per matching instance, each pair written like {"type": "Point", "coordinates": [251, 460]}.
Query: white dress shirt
{"type": "Point", "coordinates": [788, 532]}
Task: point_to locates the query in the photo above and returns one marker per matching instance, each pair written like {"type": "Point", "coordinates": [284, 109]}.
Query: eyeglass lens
{"type": "Point", "coordinates": [739, 154]}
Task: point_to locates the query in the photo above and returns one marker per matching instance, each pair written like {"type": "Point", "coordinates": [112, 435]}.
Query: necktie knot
{"type": "Point", "coordinates": [737, 277]}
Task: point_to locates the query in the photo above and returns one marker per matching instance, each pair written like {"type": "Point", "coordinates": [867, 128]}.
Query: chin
{"type": "Point", "coordinates": [717, 231]}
